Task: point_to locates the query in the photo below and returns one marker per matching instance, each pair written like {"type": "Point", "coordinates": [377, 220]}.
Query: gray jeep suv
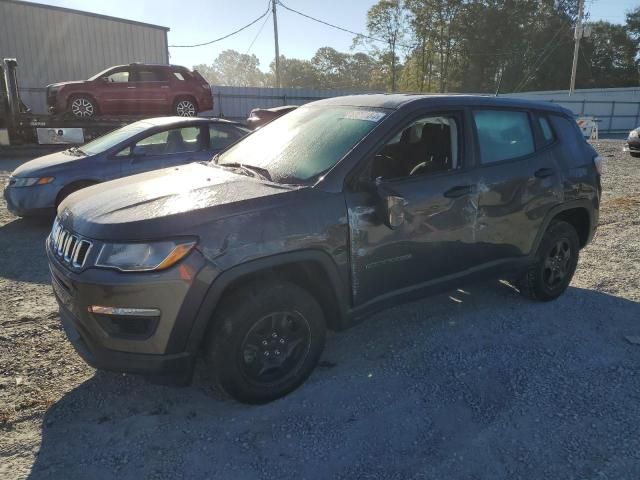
{"type": "Point", "coordinates": [337, 209]}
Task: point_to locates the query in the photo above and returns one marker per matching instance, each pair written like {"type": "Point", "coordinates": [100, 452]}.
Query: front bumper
{"type": "Point", "coordinates": [633, 144]}
{"type": "Point", "coordinates": [28, 201]}
{"type": "Point", "coordinates": [161, 348]}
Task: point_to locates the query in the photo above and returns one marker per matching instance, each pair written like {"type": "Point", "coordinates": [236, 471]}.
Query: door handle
{"type": "Point", "coordinates": [164, 86]}
{"type": "Point", "coordinates": [459, 191]}
{"type": "Point", "coordinates": [544, 172]}
{"type": "Point", "coordinates": [131, 87]}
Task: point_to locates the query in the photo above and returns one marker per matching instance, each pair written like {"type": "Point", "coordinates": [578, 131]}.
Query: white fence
{"type": "Point", "coordinates": [617, 110]}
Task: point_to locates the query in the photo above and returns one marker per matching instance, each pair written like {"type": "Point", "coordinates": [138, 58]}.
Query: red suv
{"type": "Point", "coordinates": [134, 89]}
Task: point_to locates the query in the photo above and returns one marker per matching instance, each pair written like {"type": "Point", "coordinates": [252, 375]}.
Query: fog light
{"type": "Point", "coordinates": [124, 311]}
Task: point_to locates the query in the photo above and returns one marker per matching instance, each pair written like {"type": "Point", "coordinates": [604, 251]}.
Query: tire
{"type": "Point", "coordinates": [69, 189]}
{"type": "Point", "coordinates": [82, 106]}
{"type": "Point", "coordinates": [556, 261]}
{"type": "Point", "coordinates": [253, 327]}
{"type": "Point", "coordinates": [635, 154]}
{"type": "Point", "coordinates": [185, 107]}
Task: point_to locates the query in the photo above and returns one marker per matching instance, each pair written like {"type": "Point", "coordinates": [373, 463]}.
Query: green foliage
{"type": "Point", "coordinates": [457, 46]}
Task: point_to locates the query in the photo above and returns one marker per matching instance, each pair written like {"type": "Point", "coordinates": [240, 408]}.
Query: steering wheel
{"type": "Point", "coordinates": [417, 168]}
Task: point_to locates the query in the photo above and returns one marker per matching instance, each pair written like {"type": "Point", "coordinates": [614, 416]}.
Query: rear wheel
{"type": "Point", "coordinates": [83, 107]}
{"type": "Point", "coordinates": [266, 340]}
{"type": "Point", "coordinates": [185, 107]}
{"type": "Point", "coordinates": [556, 261]}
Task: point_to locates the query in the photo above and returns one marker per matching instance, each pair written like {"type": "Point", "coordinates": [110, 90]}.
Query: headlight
{"type": "Point", "coordinates": [142, 257]}
{"type": "Point", "coordinates": [633, 134]}
{"type": "Point", "coordinates": [30, 181]}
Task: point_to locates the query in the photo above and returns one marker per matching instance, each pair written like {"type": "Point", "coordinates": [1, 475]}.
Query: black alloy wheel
{"type": "Point", "coordinates": [275, 347]}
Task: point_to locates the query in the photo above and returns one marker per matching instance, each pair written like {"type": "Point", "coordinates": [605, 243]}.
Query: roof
{"type": "Point", "coordinates": [394, 101]}
{"type": "Point", "coordinates": [89, 14]}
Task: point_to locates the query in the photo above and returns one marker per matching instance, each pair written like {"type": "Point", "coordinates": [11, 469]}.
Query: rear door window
{"type": "Point", "coordinates": [222, 136]}
{"type": "Point", "coordinates": [503, 135]}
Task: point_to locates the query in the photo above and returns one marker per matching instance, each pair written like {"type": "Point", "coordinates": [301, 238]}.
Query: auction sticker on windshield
{"type": "Point", "coordinates": [368, 115]}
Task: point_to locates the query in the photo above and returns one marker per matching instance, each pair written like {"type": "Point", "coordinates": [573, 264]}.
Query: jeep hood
{"type": "Point", "coordinates": [164, 203]}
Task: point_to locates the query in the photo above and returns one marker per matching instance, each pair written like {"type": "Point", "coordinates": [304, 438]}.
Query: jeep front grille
{"type": "Point", "coordinates": [67, 247]}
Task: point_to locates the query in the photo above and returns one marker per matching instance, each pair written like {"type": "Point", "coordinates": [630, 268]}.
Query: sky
{"type": "Point", "coordinates": [197, 21]}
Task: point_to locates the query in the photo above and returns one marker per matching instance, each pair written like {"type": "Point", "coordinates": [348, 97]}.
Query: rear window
{"type": "Point", "coordinates": [149, 76]}
{"type": "Point", "coordinates": [178, 75]}
{"type": "Point", "coordinates": [571, 139]}
{"type": "Point", "coordinates": [503, 135]}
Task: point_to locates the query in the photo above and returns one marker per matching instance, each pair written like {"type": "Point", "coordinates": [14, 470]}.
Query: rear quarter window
{"type": "Point", "coordinates": [571, 140]}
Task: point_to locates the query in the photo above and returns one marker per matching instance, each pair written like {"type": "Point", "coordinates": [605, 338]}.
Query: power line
{"type": "Point", "coordinates": [226, 36]}
{"type": "Point", "coordinates": [258, 34]}
{"type": "Point", "coordinates": [540, 60]}
{"type": "Point", "coordinates": [358, 34]}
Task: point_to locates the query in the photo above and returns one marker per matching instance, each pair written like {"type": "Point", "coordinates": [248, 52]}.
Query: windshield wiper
{"type": "Point", "coordinates": [76, 151]}
{"type": "Point", "coordinates": [251, 170]}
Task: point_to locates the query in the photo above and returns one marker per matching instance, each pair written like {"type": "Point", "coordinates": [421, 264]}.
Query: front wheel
{"type": "Point", "coordinates": [556, 261]}
{"type": "Point", "coordinates": [83, 107]}
{"type": "Point", "coordinates": [185, 107]}
{"type": "Point", "coordinates": [266, 340]}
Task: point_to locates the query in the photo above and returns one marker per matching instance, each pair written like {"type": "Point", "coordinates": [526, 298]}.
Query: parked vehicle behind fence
{"type": "Point", "coordinates": [340, 208]}
{"type": "Point", "coordinates": [135, 89]}
{"type": "Point", "coordinates": [633, 142]}
{"type": "Point", "coordinates": [38, 186]}
{"type": "Point", "coordinates": [261, 116]}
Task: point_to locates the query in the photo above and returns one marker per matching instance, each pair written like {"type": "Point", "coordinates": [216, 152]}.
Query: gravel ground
{"type": "Point", "coordinates": [478, 383]}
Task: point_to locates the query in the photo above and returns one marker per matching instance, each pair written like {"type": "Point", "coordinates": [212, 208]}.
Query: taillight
{"type": "Point", "coordinates": [598, 161]}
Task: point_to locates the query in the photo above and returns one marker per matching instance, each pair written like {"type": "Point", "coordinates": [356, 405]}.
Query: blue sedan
{"type": "Point", "coordinates": [38, 186]}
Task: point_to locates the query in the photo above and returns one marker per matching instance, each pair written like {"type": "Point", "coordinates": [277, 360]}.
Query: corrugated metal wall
{"type": "Point", "coordinates": [617, 110]}
{"type": "Point", "coordinates": [54, 45]}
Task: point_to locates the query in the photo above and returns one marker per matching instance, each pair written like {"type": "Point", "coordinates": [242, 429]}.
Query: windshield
{"type": "Point", "coordinates": [100, 74]}
{"type": "Point", "coordinates": [304, 143]}
{"type": "Point", "coordinates": [113, 138]}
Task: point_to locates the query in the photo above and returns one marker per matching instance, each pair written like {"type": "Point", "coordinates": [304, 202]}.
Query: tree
{"type": "Point", "coordinates": [608, 58]}
{"type": "Point", "coordinates": [296, 73]}
{"type": "Point", "coordinates": [238, 69]}
{"type": "Point", "coordinates": [208, 72]}
{"type": "Point", "coordinates": [332, 67]}
{"type": "Point", "coordinates": [386, 20]}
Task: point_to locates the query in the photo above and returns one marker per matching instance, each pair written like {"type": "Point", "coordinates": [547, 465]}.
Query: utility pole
{"type": "Point", "coordinates": [275, 36]}
{"type": "Point", "coordinates": [577, 36]}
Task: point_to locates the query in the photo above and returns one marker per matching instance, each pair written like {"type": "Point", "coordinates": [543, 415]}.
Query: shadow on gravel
{"type": "Point", "coordinates": [477, 383]}
{"type": "Point", "coordinates": [22, 246]}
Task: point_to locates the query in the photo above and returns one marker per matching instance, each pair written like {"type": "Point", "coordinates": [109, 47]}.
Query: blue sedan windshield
{"type": "Point", "coordinates": [113, 138]}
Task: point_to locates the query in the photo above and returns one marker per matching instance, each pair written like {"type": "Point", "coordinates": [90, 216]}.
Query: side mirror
{"type": "Point", "coordinates": [394, 211]}
{"type": "Point", "coordinates": [391, 207]}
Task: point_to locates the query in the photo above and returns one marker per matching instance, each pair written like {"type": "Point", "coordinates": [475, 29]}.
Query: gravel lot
{"type": "Point", "coordinates": [478, 383]}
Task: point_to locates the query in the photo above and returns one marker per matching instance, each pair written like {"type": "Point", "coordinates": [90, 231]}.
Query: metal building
{"type": "Point", "coordinates": [54, 44]}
